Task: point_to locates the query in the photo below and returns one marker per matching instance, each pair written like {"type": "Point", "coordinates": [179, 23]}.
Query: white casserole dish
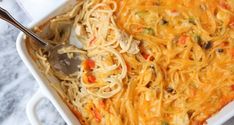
{"type": "Point", "coordinates": [46, 91]}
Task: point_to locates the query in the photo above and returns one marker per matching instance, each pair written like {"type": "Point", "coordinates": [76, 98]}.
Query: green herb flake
{"type": "Point", "coordinates": [141, 14]}
{"type": "Point", "coordinates": [198, 38]}
{"type": "Point", "coordinates": [164, 123]}
{"type": "Point", "coordinates": [207, 45]}
{"type": "Point", "coordinates": [192, 21]}
{"type": "Point", "coordinates": [149, 31]}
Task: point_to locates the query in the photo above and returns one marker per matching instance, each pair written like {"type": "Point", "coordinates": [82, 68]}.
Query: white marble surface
{"type": "Point", "coordinates": [16, 83]}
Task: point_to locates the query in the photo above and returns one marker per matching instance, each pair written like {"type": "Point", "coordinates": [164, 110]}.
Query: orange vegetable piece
{"type": "Point", "coordinates": [102, 103]}
{"type": "Point", "coordinates": [96, 114]}
{"type": "Point", "coordinates": [224, 44]}
{"type": "Point", "coordinates": [232, 52]}
{"type": "Point", "coordinates": [232, 87]}
{"type": "Point", "coordinates": [91, 78]}
{"type": "Point", "coordinates": [119, 68]}
{"type": "Point", "coordinates": [128, 67]}
{"type": "Point", "coordinates": [231, 23]}
{"type": "Point", "coordinates": [174, 11]}
{"type": "Point", "coordinates": [225, 5]}
{"type": "Point", "coordinates": [145, 55]}
{"type": "Point", "coordinates": [183, 39]}
{"type": "Point", "coordinates": [89, 64]}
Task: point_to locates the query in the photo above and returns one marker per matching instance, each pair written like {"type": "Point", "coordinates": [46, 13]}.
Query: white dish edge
{"type": "Point", "coordinates": [219, 118]}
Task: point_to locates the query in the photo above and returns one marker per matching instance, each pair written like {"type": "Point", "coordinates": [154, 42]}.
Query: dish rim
{"type": "Point", "coordinates": [217, 119]}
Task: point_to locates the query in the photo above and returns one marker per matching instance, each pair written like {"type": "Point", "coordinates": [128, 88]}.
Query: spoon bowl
{"type": "Point", "coordinates": [61, 61]}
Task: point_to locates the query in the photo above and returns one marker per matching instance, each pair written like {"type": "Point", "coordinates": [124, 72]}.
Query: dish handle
{"type": "Point", "coordinates": [31, 108]}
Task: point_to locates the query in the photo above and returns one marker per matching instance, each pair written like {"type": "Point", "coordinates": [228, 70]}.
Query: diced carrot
{"type": "Point", "coordinates": [232, 52]}
{"type": "Point", "coordinates": [96, 114]}
{"type": "Point", "coordinates": [128, 67]}
{"type": "Point", "coordinates": [119, 68]}
{"type": "Point", "coordinates": [174, 11]}
{"type": "Point", "coordinates": [102, 103]}
{"type": "Point", "coordinates": [183, 39]}
{"type": "Point", "coordinates": [225, 5]}
{"type": "Point", "coordinates": [145, 55]}
{"type": "Point", "coordinates": [232, 87]}
{"type": "Point", "coordinates": [89, 64]}
{"type": "Point", "coordinates": [91, 78]}
{"type": "Point", "coordinates": [231, 23]}
{"type": "Point", "coordinates": [224, 44]}
{"type": "Point", "coordinates": [92, 41]}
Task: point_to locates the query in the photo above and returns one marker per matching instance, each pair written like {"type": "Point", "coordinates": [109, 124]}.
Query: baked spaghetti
{"type": "Point", "coordinates": [154, 62]}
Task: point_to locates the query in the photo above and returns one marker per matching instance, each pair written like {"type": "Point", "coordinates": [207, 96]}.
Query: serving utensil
{"type": "Point", "coordinates": [58, 62]}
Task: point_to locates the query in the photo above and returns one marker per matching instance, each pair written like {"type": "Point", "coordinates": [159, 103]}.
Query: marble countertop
{"type": "Point", "coordinates": [16, 83]}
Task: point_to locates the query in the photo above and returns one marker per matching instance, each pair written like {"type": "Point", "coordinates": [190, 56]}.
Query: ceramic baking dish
{"type": "Point", "coordinates": [46, 91]}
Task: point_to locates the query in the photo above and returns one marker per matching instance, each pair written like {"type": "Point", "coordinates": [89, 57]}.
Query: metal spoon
{"type": "Point", "coordinates": [58, 62]}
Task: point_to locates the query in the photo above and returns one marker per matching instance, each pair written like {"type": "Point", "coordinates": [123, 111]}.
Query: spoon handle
{"type": "Point", "coordinates": [8, 18]}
